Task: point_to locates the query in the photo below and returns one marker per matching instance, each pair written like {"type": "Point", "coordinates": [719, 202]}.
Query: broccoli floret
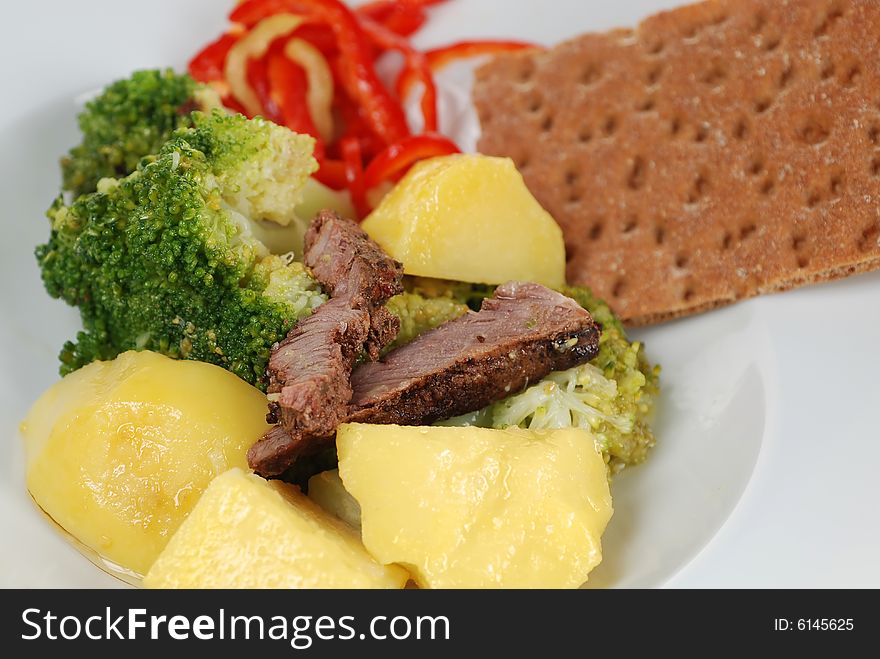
{"type": "Point", "coordinates": [419, 314]}
{"type": "Point", "coordinates": [638, 382]}
{"type": "Point", "coordinates": [166, 258]}
{"type": "Point", "coordinates": [131, 119]}
{"type": "Point", "coordinates": [613, 395]}
{"type": "Point", "coordinates": [461, 292]}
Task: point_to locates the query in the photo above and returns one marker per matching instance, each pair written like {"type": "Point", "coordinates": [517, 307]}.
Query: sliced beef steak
{"type": "Point", "coordinates": [275, 452]}
{"type": "Point", "coordinates": [309, 371]}
{"type": "Point", "coordinates": [312, 368]}
{"type": "Point", "coordinates": [349, 264]}
{"type": "Point", "coordinates": [519, 336]}
{"type": "Point", "coordinates": [384, 327]}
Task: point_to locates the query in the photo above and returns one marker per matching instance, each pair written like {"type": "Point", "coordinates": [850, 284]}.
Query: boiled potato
{"type": "Point", "coordinates": [246, 532]}
{"type": "Point", "coordinates": [479, 508]}
{"type": "Point", "coordinates": [469, 218]}
{"type": "Point", "coordinates": [119, 452]}
{"type": "Point", "coordinates": [326, 489]}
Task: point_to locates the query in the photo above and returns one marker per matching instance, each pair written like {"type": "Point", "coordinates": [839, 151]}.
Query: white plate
{"type": "Point", "coordinates": [765, 470]}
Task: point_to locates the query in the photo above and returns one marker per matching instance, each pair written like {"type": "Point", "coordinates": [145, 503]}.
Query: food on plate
{"type": "Point", "coordinates": [521, 334]}
{"type": "Point", "coordinates": [479, 508]}
{"type": "Point", "coordinates": [246, 532]}
{"type": "Point", "coordinates": [188, 232]}
{"type": "Point", "coordinates": [581, 397]}
{"type": "Point", "coordinates": [719, 151]}
{"type": "Point", "coordinates": [131, 119]}
{"type": "Point", "coordinates": [309, 371]}
{"type": "Point", "coordinates": [360, 278]}
{"type": "Point", "coordinates": [119, 452]}
{"type": "Point", "coordinates": [318, 197]}
{"type": "Point", "coordinates": [168, 258]}
{"type": "Point", "coordinates": [312, 66]}
{"type": "Point", "coordinates": [417, 314]}
{"type": "Point", "coordinates": [326, 489]}
{"type": "Point", "coordinates": [469, 218]}
{"type": "Point", "coordinates": [613, 395]}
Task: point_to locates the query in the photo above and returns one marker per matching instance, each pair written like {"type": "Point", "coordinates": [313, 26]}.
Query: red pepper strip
{"type": "Point", "coordinates": [403, 18]}
{"type": "Point", "coordinates": [440, 57]}
{"type": "Point", "coordinates": [379, 9]}
{"type": "Point", "coordinates": [229, 101]}
{"type": "Point", "coordinates": [258, 79]}
{"type": "Point", "coordinates": [332, 174]}
{"type": "Point", "coordinates": [207, 65]}
{"type": "Point", "coordinates": [354, 125]}
{"type": "Point", "coordinates": [382, 112]}
{"type": "Point", "coordinates": [320, 36]}
{"type": "Point", "coordinates": [288, 86]}
{"type": "Point", "coordinates": [399, 157]}
{"type": "Point", "coordinates": [251, 12]}
{"type": "Point", "coordinates": [357, 71]}
{"type": "Point", "coordinates": [415, 64]}
{"type": "Point", "coordinates": [354, 175]}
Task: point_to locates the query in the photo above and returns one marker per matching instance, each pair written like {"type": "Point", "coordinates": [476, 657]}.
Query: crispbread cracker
{"type": "Point", "coordinates": [718, 151]}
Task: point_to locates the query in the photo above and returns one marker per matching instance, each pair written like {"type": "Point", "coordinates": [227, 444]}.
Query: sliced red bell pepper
{"type": "Point", "coordinates": [288, 86]}
{"type": "Point", "coordinates": [230, 102]}
{"type": "Point", "coordinates": [397, 158]}
{"type": "Point", "coordinates": [354, 174]}
{"type": "Point", "coordinates": [320, 36]}
{"type": "Point", "coordinates": [332, 174]}
{"type": "Point", "coordinates": [355, 126]}
{"type": "Point", "coordinates": [440, 57]}
{"type": "Point", "coordinates": [207, 65]}
{"type": "Point", "coordinates": [415, 65]}
{"type": "Point", "coordinates": [403, 18]}
{"type": "Point", "coordinates": [258, 79]}
{"type": "Point", "coordinates": [355, 63]}
{"type": "Point", "coordinates": [374, 128]}
{"type": "Point", "coordinates": [379, 9]}
{"type": "Point", "coordinates": [251, 12]}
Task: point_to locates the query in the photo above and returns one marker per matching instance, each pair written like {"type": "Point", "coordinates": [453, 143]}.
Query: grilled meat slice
{"type": "Point", "coordinates": [273, 454]}
{"type": "Point", "coordinates": [519, 336]}
{"type": "Point", "coordinates": [349, 264]}
{"type": "Point", "coordinates": [311, 368]}
{"type": "Point", "coordinates": [309, 371]}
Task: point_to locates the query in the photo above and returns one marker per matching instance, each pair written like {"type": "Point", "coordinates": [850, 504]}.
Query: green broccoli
{"type": "Point", "coordinates": [637, 383]}
{"type": "Point", "coordinates": [419, 314]}
{"type": "Point", "coordinates": [131, 119]}
{"type": "Point", "coordinates": [613, 395]}
{"type": "Point", "coordinates": [461, 292]}
{"type": "Point", "coordinates": [168, 258]}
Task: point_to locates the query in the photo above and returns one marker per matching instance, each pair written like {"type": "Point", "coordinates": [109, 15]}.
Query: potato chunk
{"type": "Point", "coordinates": [326, 489]}
{"type": "Point", "coordinates": [119, 452]}
{"type": "Point", "coordinates": [469, 218]}
{"type": "Point", "coordinates": [479, 508]}
{"type": "Point", "coordinates": [246, 532]}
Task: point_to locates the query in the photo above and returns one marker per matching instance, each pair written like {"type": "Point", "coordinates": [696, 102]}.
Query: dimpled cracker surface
{"type": "Point", "coordinates": [718, 151]}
